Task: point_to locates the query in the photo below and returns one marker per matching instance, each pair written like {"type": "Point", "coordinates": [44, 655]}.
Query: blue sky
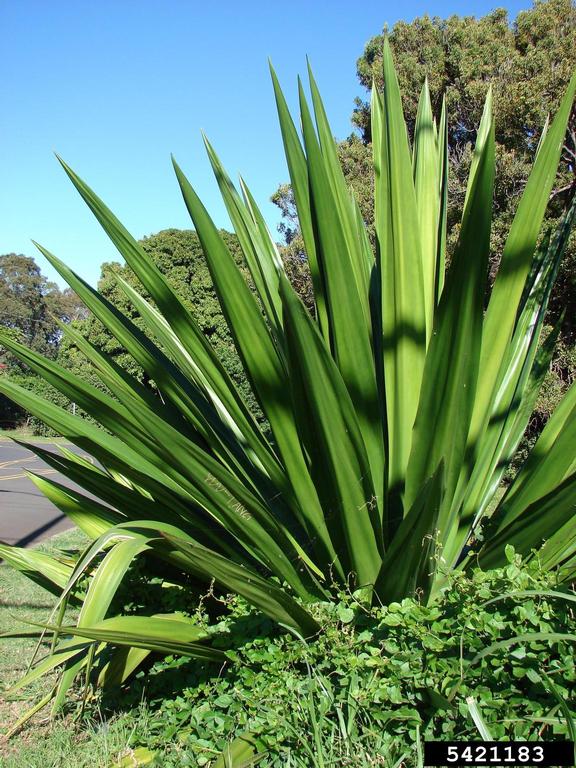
{"type": "Point", "coordinates": [115, 86]}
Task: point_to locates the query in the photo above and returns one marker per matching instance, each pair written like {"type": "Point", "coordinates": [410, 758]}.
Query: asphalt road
{"type": "Point", "coordinates": [26, 516]}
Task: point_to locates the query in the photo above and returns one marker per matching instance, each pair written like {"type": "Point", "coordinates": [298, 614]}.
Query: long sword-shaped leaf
{"type": "Point", "coordinates": [452, 363]}
{"type": "Point", "coordinates": [533, 526]}
{"type": "Point", "coordinates": [298, 170]}
{"type": "Point", "coordinates": [516, 261]}
{"type": "Point", "coordinates": [548, 464]}
{"type": "Point", "coordinates": [153, 633]}
{"type": "Point", "coordinates": [360, 261]}
{"type": "Point", "coordinates": [101, 591]}
{"type": "Point", "coordinates": [107, 577]}
{"type": "Point", "coordinates": [443, 192]}
{"type": "Point", "coordinates": [262, 258]}
{"type": "Point", "coordinates": [331, 434]}
{"type": "Point", "coordinates": [261, 360]}
{"type": "Point", "coordinates": [68, 650]}
{"type": "Point", "coordinates": [426, 170]}
{"type": "Point", "coordinates": [348, 310]}
{"type": "Point", "coordinates": [263, 593]}
{"type": "Point", "coordinates": [377, 112]}
{"type": "Point", "coordinates": [559, 550]}
{"type": "Point", "coordinates": [42, 569]}
{"type": "Point", "coordinates": [91, 517]}
{"type": "Point", "coordinates": [409, 565]}
{"type": "Point", "coordinates": [124, 661]}
{"type": "Point", "coordinates": [39, 705]}
{"type": "Point", "coordinates": [400, 262]}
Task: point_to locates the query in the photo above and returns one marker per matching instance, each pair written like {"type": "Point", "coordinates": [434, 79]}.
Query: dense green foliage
{"type": "Point", "coordinates": [30, 305]}
{"type": "Point", "coordinates": [30, 309]}
{"type": "Point", "coordinates": [375, 684]}
{"type": "Point", "coordinates": [528, 64]}
{"type": "Point", "coordinates": [393, 409]}
{"type": "Point", "coordinates": [179, 256]}
{"type": "Point", "coordinates": [355, 696]}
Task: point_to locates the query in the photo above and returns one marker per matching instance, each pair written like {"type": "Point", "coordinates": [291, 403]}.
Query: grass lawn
{"type": "Point", "coordinates": [45, 744]}
{"type": "Point", "coordinates": [26, 435]}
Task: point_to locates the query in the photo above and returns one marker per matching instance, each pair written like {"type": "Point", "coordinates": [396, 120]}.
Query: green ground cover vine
{"type": "Point", "coordinates": [374, 683]}
{"type": "Point", "coordinates": [377, 682]}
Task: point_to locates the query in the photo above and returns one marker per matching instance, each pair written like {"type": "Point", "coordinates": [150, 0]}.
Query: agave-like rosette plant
{"type": "Point", "coordinates": [393, 411]}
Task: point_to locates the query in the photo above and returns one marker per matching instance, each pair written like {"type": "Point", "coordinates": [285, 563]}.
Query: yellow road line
{"type": "Point", "coordinates": [4, 464]}
{"type": "Point", "coordinates": [23, 475]}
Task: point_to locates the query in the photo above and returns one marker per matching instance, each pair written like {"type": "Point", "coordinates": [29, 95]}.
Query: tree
{"type": "Point", "coordinates": [29, 303]}
{"type": "Point", "coordinates": [30, 307]}
{"type": "Point", "coordinates": [528, 64]}
{"type": "Point", "coordinates": [179, 256]}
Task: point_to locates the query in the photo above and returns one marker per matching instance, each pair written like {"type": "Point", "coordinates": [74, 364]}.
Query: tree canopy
{"type": "Point", "coordinates": [31, 307]}
{"type": "Point", "coordinates": [179, 256]}
{"type": "Point", "coordinates": [528, 65]}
